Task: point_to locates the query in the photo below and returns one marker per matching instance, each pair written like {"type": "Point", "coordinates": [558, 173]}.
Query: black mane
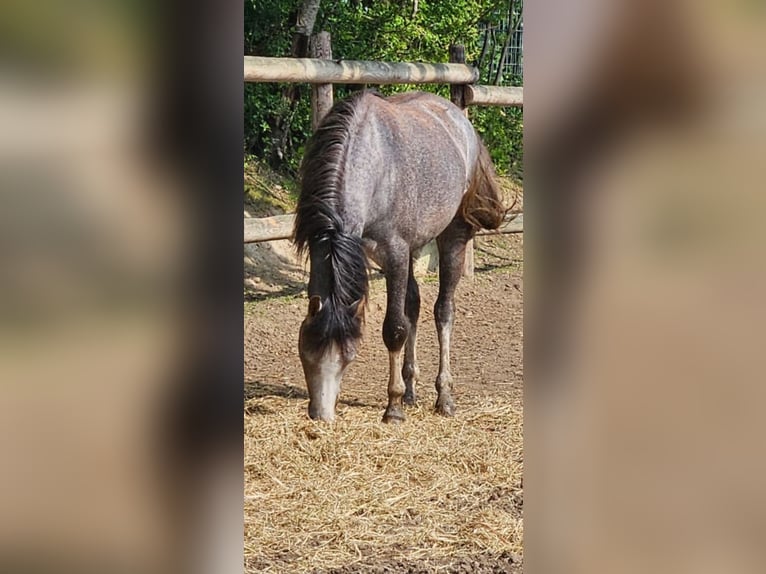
{"type": "Point", "coordinates": [320, 229]}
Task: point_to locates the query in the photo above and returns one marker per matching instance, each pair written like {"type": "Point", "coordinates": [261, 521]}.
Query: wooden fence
{"type": "Point", "coordinates": [323, 71]}
{"type": "Point", "coordinates": [319, 71]}
{"type": "Point", "coordinates": [259, 229]}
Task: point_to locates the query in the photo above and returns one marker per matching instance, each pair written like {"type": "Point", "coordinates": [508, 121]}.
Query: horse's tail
{"type": "Point", "coordinates": [482, 204]}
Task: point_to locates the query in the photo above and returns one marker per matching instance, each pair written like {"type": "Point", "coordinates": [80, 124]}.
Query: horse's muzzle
{"type": "Point", "coordinates": [318, 413]}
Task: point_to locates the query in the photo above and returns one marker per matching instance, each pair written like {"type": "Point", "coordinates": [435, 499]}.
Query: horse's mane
{"type": "Point", "coordinates": [319, 228]}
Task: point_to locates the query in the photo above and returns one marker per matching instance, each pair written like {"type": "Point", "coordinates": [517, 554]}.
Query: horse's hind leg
{"type": "Point", "coordinates": [410, 371]}
{"type": "Point", "coordinates": [396, 329]}
{"type": "Point", "coordinates": [452, 245]}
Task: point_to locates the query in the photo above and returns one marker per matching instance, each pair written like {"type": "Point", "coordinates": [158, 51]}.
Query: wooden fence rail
{"type": "Point", "coordinates": [494, 96]}
{"type": "Point", "coordinates": [281, 227]}
{"type": "Point", "coordinates": [318, 71]}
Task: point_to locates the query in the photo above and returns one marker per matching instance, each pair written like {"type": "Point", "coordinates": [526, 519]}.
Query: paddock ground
{"type": "Point", "coordinates": [430, 495]}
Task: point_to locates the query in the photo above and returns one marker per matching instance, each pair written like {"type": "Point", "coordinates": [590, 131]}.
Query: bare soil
{"type": "Point", "coordinates": [486, 342]}
{"type": "Point", "coordinates": [505, 563]}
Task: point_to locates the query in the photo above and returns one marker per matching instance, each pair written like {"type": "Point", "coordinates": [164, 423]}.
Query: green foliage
{"type": "Point", "coordinates": [264, 104]}
{"type": "Point", "coordinates": [268, 26]}
{"type": "Point", "coordinates": [388, 31]}
{"type": "Point", "coordinates": [502, 132]}
{"type": "Point", "coordinates": [383, 30]}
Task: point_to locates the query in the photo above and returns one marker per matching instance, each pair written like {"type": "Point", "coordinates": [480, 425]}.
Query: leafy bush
{"type": "Point", "coordinates": [502, 132]}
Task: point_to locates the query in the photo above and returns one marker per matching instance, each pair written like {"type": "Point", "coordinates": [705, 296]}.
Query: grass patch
{"type": "Point", "coordinates": [266, 191]}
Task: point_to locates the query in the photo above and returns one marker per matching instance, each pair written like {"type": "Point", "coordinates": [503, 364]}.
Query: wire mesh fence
{"type": "Point", "coordinates": [501, 41]}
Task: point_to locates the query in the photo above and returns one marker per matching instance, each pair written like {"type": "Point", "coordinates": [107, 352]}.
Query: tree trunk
{"type": "Point", "coordinates": [304, 27]}
{"type": "Point", "coordinates": [321, 94]}
{"type": "Point", "coordinates": [483, 53]}
{"type": "Point", "coordinates": [491, 31]}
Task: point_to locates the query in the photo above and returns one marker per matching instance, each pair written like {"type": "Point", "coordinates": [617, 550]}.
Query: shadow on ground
{"type": "Point", "coordinates": [485, 563]}
{"type": "Point", "coordinates": [271, 270]}
{"type": "Point", "coordinates": [259, 389]}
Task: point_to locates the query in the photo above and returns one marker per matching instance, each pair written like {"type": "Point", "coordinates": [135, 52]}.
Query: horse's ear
{"type": "Point", "coordinates": [315, 305]}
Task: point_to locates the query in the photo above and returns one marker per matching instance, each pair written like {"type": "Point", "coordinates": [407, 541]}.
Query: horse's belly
{"type": "Point", "coordinates": [432, 223]}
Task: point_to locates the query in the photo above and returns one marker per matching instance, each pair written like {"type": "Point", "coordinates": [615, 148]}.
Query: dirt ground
{"type": "Point", "coordinates": [486, 365]}
{"type": "Point", "coordinates": [487, 338]}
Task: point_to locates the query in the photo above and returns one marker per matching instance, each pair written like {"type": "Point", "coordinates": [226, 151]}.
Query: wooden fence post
{"type": "Point", "coordinates": [457, 95]}
{"type": "Point", "coordinates": [456, 91]}
{"type": "Point", "coordinates": [321, 94]}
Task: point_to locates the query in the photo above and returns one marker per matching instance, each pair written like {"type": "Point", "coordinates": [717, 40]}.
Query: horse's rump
{"type": "Point", "coordinates": [482, 203]}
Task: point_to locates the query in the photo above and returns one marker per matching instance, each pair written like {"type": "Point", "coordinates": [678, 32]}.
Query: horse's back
{"type": "Point", "coordinates": [409, 166]}
{"type": "Point", "coordinates": [422, 110]}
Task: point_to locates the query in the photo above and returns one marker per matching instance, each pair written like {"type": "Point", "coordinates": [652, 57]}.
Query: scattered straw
{"type": "Point", "coordinates": [357, 492]}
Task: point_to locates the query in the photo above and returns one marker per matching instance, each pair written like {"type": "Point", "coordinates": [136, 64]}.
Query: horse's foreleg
{"type": "Point", "coordinates": [452, 244]}
{"type": "Point", "coordinates": [410, 371]}
{"type": "Point", "coordinates": [396, 328]}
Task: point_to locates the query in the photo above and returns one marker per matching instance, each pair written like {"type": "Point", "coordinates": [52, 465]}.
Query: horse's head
{"type": "Point", "coordinates": [324, 362]}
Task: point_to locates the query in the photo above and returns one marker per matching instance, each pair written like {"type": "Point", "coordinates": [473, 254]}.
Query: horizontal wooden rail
{"type": "Point", "coordinates": [494, 96]}
{"type": "Point", "coordinates": [281, 227]}
{"type": "Point", "coordinates": [268, 228]}
{"type": "Point", "coordinates": [315, 71]}
{"type": "Point", "coordinates": [513, 223]}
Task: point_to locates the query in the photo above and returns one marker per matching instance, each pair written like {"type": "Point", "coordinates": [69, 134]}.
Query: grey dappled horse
{"type": "Point", "coordinates": [382, 177]}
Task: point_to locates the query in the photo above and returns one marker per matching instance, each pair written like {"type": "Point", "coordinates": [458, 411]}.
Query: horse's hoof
{"type": "Point", "coordinates": [393, 416]}
{"type": "Point", "coordinates": [445, 407]}
{"type": "Point", "coordinates": [409, 399]}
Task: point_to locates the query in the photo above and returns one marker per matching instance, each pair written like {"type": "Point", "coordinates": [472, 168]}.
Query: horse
{"type": "Point", "coordinates": [380, 178]}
